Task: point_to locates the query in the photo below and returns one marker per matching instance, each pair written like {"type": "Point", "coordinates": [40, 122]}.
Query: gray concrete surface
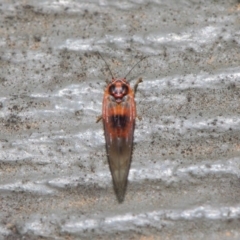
{"type": "Point", "coordinates": [184, 178]}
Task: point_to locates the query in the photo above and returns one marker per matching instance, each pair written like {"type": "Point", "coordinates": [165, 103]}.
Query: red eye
{"type": "Point", "coordinates": [112, 89]}
{"type": "Point", "coordinates": [124, 89]}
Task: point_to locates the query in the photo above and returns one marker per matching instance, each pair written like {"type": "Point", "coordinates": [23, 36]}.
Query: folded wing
{"type": "Point", "coordinates": [119, 122]}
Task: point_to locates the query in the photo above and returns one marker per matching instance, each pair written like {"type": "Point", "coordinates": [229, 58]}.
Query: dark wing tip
{"type": "Point", "coordinates": [120, 190]}
{"type": "Point", "coordinates": [120, 175]}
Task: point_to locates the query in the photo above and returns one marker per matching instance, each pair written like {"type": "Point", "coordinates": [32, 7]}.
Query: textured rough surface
{"type": "Point", "coordinates": [184, 178]}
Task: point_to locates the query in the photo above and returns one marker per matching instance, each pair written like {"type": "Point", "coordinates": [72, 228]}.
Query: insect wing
{"type": "Point", "coordinates": [119, 121]}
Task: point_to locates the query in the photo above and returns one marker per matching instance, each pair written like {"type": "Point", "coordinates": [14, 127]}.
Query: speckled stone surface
{"type": "Point", "coordinates": [184, 178]}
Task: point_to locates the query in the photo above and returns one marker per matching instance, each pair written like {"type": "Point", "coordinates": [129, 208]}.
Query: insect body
{"type": "Point", "coordinates": [118, 115]}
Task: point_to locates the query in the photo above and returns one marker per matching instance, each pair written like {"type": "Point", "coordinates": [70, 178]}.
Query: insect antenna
{"type": "Point", "coordinates": [106, 64]}
{"type": "Point", "coordinates": [135, 65]}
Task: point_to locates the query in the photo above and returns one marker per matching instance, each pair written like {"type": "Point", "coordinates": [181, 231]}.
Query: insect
{"type": "Point", "coordinates": [118, 115]}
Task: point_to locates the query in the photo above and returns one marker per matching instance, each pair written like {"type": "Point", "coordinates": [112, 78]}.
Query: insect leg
{"type": "Point", "coordinates": [139, 118]}
{"type": "Point", "coordinates": [99, 118]}
{"type": "Point", "coordinates": [136, 85]}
